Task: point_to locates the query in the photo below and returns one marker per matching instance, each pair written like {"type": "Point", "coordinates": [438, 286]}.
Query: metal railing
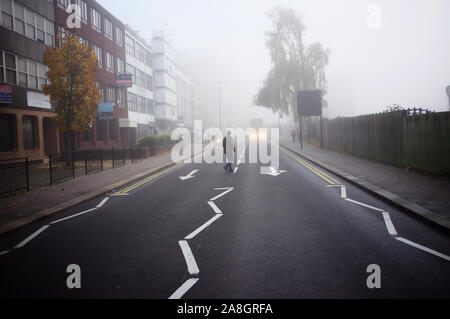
{"type": "Point", "coordinates": [14, 175]}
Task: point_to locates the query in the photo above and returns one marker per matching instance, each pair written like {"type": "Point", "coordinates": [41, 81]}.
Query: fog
{"type": "Point", "coordinates": [404, 60]}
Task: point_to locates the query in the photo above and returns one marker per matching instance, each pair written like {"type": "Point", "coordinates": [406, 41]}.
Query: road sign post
{"type": "Point", "coordinates": [309, 103]}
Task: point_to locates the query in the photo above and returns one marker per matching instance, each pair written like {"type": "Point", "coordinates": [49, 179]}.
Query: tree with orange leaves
{"type": "Point", "coordinates": [72, 88]}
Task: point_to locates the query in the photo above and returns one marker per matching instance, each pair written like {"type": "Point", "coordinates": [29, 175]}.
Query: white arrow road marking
{"type": "Point", "coordinates": [184, 288]}
{"type": "Point", "coordinates": [428, 250]}
{"type": "Point", "coordinates": [271, 171]}
{"type": "Point", "coordinates": [102, 202]}
{"type": "Point", "coordinates": [73, 216]}
{"type": "Point", "coordinates": [189, 257]}
{"type": "Point", "coordinates": [203, 227]}
{"type": "Point", "coordinates": [343, 190]}
{"type": "Point", "coordinates": [235, 170]}
{"type": "Point", "coordinates": [226, 191]}
{"type": "Point", "coordinates": [189, 176]}
{"type": "Point", "coordinates": [32, 236]}
{"type": "Point", "coordinates": [389, 225]}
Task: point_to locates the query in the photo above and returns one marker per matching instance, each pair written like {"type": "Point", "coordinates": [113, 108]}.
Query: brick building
{"type": "Point", "coordinates": [26, 128]}
{"type": "Point", "coordinates": [106, 35]}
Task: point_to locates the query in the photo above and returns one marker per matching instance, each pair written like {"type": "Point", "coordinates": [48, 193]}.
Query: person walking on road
{"type": "Point", "coordinates": [228, 150]}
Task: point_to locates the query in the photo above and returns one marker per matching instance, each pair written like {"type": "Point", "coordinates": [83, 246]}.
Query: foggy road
{"type": "Point", "coordinates": [298, 232]}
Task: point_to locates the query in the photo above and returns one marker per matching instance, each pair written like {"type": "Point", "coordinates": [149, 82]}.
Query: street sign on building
{"type": "Point", "coordinates": [124, 80]}
{"type": "Point", "coordinates": [309, 103]}
{"type": "Point", "coordinates": [105, 111]}
{"type": "Point", "coordinates": [6, 94]}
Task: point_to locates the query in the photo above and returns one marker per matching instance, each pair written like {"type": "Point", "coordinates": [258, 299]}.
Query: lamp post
{"type": "Point", "coordinates": [448, 95]}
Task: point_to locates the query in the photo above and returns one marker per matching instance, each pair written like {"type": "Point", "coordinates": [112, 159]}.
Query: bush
{"type": "Point", "coordinates": [152, 140]}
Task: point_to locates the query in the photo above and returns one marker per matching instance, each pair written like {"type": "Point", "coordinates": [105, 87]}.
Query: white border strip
{"type": "Point", "coordinates": [4, 252]}
{"type": "Point", "coordinates": [201, 228]}
{"type": "Point", "coordinates": [214, 207]}
{"type": "Point", "coordinates": [32, 236]}
{"type": "Point", "coordinates": [365, 205]}
{"type": "Point", "coordinates": [184, 288]}
{"type": "Point", "coordinates": [73, 216]}
{"type": "Point", "coordinates": [428, 250]}
{"type": "Point", "coordinates": [226, 189]}
{"type": "Point", "coordinates": [189, 257]}
{"type": "Point", "coordinates": [102, 202]}
{"type": "Point", "coordinates": [389, 225]}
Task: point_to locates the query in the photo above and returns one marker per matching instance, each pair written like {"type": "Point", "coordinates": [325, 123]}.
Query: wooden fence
{"type": "Point", "coordinates": [399, 138]}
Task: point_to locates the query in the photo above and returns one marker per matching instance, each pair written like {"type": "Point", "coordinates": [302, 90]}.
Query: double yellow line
{"type": "Point", "coordinates": [330, 180]}
{"type": "Point", "coordinates": [146, 180]}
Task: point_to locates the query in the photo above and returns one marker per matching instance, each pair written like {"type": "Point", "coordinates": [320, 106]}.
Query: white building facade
{"type": "Point", "coordinates": [185, 100]}
{"type": "Point", "coordinates": [141, 105]}
{"type": "Point", "coordinates": [166, 102]}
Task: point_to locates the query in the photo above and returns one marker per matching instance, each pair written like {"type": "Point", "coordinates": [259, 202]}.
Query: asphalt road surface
{"type": "Point", "coordinates": [292, 234]}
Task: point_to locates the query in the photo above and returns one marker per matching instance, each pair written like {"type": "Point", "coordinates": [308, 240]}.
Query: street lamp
{"type": "Point", "coordinates": [220, 102]}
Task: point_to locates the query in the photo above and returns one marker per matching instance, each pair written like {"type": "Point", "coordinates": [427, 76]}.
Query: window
{"type": "Point", "coordinates": [19, 13]}
{"type": "Point", "coordinates": [29, 132]}
{"type": "Point", "coordinates": [7, 14]}
{"type": "Point", "coordinates": [30, 29]}
{"type": "Point", "coordinates": [132, 102]}
{"type": "Point", "coordinates": [109, 62]}
{"type": "Point", "coordinates": [1, 68]}
{"type": "Point", "coordinates": [148, 58]}
{"type": "Point", "coordinates": [100, 130]}
{"type": "Point", "coordinates": [150, 107]}
{"type": "Point", "coordinates": [62, 32]}
{"type": "Point", "coordinates": [100, 89]}
{"type": "Point", "coordinates": [7, 132]}
{"type": "Point", "coordinates": [99, 54]}
{"type": "Point", "coordinates": [96, 21]}
{"type": "Point", "coordinates": [86, 136]}
{"type": "Point", "coordinates": [108, 29]}
{"type": "Point", "coordinates": [32, 75]}
{"type": "Point", "coordinates": [130, 45]}
{"type": "Point", "coordinates": [22, 71]}
{"type": "Point", "coordinates": [119, 36]}
{"type": "Point", "coordinates": [10, 65]}
{"type": "Point", "coordinates": [83, 41]}
{"type": "Point", "coordinates": [83, 10]}
{"type": "Point", "coordinates": [112, 126]}
{"type": "Point", "coordinates": [120, 66]}
{"type": "Point", "coordinates": [49, 33]}
{"type": "Point", "coordinates": [63, 3]}
{"type": "Point", "coordinates": [140, 52]}
{"type": "Point", "coordinates": [42, 77]}
{"type": "Point", "coordinates": [121, 97]}
{"type": "Point", "coordinates": [132, 70]}
{"type": "Point", "coordinates": [111, 95]}
{"type": "Point", "coordinates": [141, 104]}
{"type": "Point", "coordinates": [40, 25]}
{"type": "Point", "coordinates": [140, 78]}
{"type": "Point", "coordinates": [148, 82]}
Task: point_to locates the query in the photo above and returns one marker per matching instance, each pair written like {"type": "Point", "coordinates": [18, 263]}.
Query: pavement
{"type": "Point", "coordinates": [17, 211]}
{"type": "Point", "coordinates": [300, 232]}
{"type": "Point", "coordinates": [424, 195]}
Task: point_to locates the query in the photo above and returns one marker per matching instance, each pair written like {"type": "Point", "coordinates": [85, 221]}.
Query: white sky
{"type": "Point", "coordinates": [406, 61]}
